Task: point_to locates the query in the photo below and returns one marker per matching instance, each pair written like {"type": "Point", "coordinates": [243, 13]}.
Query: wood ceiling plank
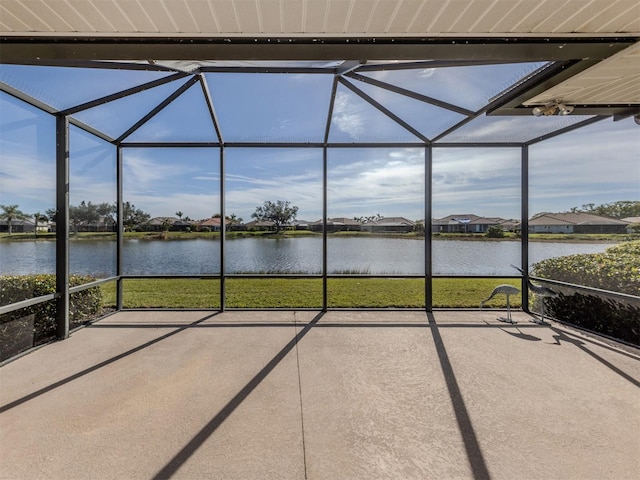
{"type": "Point", "coordinates": [270, 13]}
{"type": "Point", "coordinates": [336, 16]}
{"type": "Point", "coordinates": [225, 16]}
{"type": "Point", "coordinates": [404, 16]}
{"type": "Point", "coordinates": [292, 14]}
{"type": "Point", "coordinates": [180, 14]}
{"type": "Point", "coordinates": [55, 21]}
{"type": "Point", "coordinates": [316, 16]}
{"type": "Point", "coordinates": [98, 20]}
{"type": "Point", "coordinates": [19, 17]}
{"type": "Point", "coordinates": [203, 16]}
{"type": "Point", "coordinates": [360, 15]}
{"type": "Point", "coordinates": [247, 13]}
{"type": "Point", "coordinates": [157, 15]}
{"type": "Point", "coordinates": [127, 17]}
{"type": "Point", "coordinates": [470, 15]}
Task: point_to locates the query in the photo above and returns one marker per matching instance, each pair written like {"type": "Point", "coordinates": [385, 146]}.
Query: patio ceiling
{"type": "Point", "coordinates": [597, 38]}
{"type": "Point", "coordinates": [388, 18]}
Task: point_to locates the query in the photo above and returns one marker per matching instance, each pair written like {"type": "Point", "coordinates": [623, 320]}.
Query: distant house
{"type": "Point", "coordinates": [182, 225]}
{"type": "Point", "coordinates": [302, 225]}
{"type": "Point", "coordinates": [633, 222]}
{"type": "Point", "coordinates": [43, 226]}
{"type": "Point", "coordinates": [470, 223]}
{"type": "Point", "coordinates": [212, 224]}
{"type": "Point", "coordinates": [159, 224]}
{"type": "Point", "coordinates": [17, 226]}
{"type": "Point", "coordinates": [260, 225]}
{"type": "Point", "coordinates": [389, 225]}
{"type": "Point", "coordinates": [510, 225]}
{"type": "Point", "coordinates": [576, 223]}
{"type": "Point", "coordinates": [454, 223]}
{"type": "Point", "coordinates": [104, 224]}
{"type": "Point", "coordinates": [338, 224]}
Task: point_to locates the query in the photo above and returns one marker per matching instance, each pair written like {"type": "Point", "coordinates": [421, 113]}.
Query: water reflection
{"type": "Point", "coordinates": [353, 255]}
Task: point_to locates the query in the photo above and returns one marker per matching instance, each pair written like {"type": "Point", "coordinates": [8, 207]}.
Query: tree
{"type": "Point", "coordinates": [495, 231]}
{"type": "Point", "coordinates": [280, 213]}
{"type": "Point", "coordinates": [83, 214]}
{"type": "Point", "coordinates": [10, 213]}
{"type": "Point", "coordinates": [234, 221]}
{"type": "Point", "coordinates": [620, 209]}
{"type": "Point", "coordinates": [166, 224]}
{"type": "Point", "coordinates": [108, 211]}
{"type": "Point", "coordinates": [369, 218]}
{"type": "Point", "coordinates": [132, 216]}
{"type": "Point", "coordinates": [51, 213]}
{"type": "Point", "coordinates": [179, 215]}
{"type": "Point", "coordinates": [37, 217]}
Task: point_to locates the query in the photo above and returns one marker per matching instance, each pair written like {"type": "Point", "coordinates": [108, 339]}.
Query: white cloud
{"type": "Point", "coordinates": [303, 191]}
{"type": "Point", "coordinates": [597, 164]}
{"type": "Point", "coordinates": [141, 172]}
{"type": "Point", "coordinates": [484, 182]}
{"type": "Point", "coordinates": [347, 115]}
{"type": "Point", "coordinates": [390, 182]}
{"type": "Point", "coordinates": [27, 181]}
{"type": "Point", "coordinates": [427, 72]}
{"type": "Point", "coordinates": [195, 206]}
{"type": "Point", "coordinates": [207, 178]}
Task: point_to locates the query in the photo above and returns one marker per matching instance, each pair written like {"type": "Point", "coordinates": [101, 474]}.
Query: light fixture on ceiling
{"type": "Point", "coordinates": [545, 110]}
{"type": "Point", "coordinates": [564, 109]}
{"type": "Point", "coordinates": [552, 108]}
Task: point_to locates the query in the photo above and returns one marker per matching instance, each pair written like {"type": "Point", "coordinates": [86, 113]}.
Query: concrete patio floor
{"type": "Point", "coordinates": [305, 395]}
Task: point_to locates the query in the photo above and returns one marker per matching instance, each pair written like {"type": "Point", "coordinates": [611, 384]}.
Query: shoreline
{"type": "Point", "coordinates": [184, 236]}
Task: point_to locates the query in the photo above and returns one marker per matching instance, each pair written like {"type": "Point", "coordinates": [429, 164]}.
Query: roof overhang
{"type": "Point", "coordinates": [490, 49]}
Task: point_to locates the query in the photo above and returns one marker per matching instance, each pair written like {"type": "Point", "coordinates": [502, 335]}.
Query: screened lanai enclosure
{"type": "Point", "coordinates": [140, 181]}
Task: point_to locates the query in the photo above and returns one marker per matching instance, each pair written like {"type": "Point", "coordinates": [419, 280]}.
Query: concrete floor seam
{"type": "Point", "coordinates": [304, 449]}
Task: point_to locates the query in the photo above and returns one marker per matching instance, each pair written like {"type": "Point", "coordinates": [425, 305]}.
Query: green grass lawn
{"type": "Point", "coordinates": [307, 293]}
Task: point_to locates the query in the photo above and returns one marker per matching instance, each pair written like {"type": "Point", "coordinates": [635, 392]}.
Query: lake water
{"type": "Point", "coordinates": [366, 255]}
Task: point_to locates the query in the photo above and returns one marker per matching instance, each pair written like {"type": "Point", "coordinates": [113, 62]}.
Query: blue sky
{"type": "Point", "coordinates": [596, 164]}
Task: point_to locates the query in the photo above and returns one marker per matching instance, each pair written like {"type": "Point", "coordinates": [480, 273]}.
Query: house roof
{"type": "Point", "coordinates": [18, 222]}
{"type": "Point", "coordinates": [571, 218]}
{"type": "Point", "coordinates": [457, 218]}
{"type": "Point", "coordinates": [510, 221]}
{"type": "Point", "coordinates": [338, 221]}
{"type": "Point", "coordinates": [212, 222]}
{"type": "Point", "coordinates": [390, 221]}
{"type": "Point", "coordinates": [343, 221]}
{"type": "Point", "coordinates": [260, 223]}
{"type": "Point", "coordinates": [486, 221]}
{"type": "Point", "coordinates": [472, 219]}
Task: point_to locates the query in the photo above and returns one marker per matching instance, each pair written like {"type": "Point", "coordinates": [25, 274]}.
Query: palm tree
{"type": "Point", "coordinates": [11, 213]}
{"type": "Point", "coordinates": [179, 215]}
{"type": "Point", "coordinates": [36, 218]}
